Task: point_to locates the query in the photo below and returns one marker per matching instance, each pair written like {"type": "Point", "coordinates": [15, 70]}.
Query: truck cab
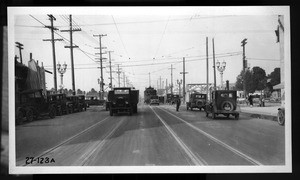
{"type": "Point", "coordinates": [123, 100]}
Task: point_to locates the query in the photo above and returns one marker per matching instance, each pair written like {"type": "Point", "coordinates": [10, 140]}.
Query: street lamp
{"type": "Point", "coordinates": [179, 83]}
{"type": "Point", "coordinates": [221, 69]}
{"type": "Point", "coordinates": [61, 69]}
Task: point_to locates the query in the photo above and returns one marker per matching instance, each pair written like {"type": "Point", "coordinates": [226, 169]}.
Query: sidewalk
{"type": "Point", "coordinates": [269, 112]}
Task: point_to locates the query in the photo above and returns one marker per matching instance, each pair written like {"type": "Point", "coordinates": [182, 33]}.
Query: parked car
{"type": "Point", "coordinates": [223, 102]}
{"type": "Point", "coordinates": [82, 103]}
{"type": "Point", "coordinates": [74, 101]}
{"type": "Point", "coordinates": [195, 100]}
{"type": "Point", "coordinates": [61, 103]}
{"type": "Point", "coordinates": [33, 104]}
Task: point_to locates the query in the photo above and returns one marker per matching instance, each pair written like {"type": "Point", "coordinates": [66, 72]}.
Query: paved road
{"type": "Point", "coordinates": [157, 135]}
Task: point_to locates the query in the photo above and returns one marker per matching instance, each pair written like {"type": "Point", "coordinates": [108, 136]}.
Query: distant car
{"type": "Point", "coordinates": [154, 101]}
{"type": "Point", "coordinates": [82, 103]}
{"type": "Point", "coordinates": [196, 100]}
{"type": "Point", "coordinates": [223, 102]}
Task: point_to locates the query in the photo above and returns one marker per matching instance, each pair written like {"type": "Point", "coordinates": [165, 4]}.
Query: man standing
{"type": "Point", "coordinates": [178, 104]}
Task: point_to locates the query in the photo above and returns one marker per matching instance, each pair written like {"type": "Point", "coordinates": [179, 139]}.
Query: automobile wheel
{"type": "Point", "coordinates": [227, 106]}
{"type": "Point", "coordinates": [237, 116]}
{"type": "Point", "coordinates": [52, 112]}
{"type": "Point", "coordinates": [85, 108]}
{"type": "Point", "coordinates": [280, 117]}
{"type": "Point", "coordinates": [29, 115]}
{"type": "Point", "coordinates": [227, 116]}
{"type": "Point", "coordinates": [213, 115]}
{"type": "Point", "coordinates": [19, 118]}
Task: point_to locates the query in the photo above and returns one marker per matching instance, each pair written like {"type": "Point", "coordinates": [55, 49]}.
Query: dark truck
{"type": "Point", "coordinates": [123, 100]}
{"type": "Point", "coordinates": [32, 104]}
{"type": "Point", "coordinates": [195, 100]}
{"type": "Point", "coordinates": [223, 102]}
{"type": "Point", "coordinates": [82, 103]}
{"type": "Point", "coordinates": [61, 103]}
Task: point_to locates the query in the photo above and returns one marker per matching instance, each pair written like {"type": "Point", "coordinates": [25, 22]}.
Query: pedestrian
{"type": "Point", "coordinates": [250, 100]}
{"type": "Point", "coordinates": [177, 104]}
{"type": "Point", "coordinates": [262, 101]}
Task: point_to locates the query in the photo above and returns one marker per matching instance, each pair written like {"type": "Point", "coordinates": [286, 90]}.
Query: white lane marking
{"type": "Point", "coordinates": [69, 139]}
{"type": "Point", "coordinates": [237, 152]}
{"type": "Point", "coordinates": [191, 155]}
{"type": "Point", "coordinates": [88, 154]}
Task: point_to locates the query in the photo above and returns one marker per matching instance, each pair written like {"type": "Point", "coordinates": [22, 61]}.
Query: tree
{"type": "Point", "coordinates": [244, 76]}
{"type": "Point", "coordinates": [93, 90]}
{"type": "Point", "coordinates": [259, 78]}
{"type": "Point", "coordinates": [255, 79]}
{"type": "Point", "coordinates": [275, 77]}
{"type": "Point", "coordinates": [79, 91]}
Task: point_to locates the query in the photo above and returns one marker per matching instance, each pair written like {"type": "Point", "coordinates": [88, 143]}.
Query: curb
{"type": "Point", "coordinates": [260, 116]}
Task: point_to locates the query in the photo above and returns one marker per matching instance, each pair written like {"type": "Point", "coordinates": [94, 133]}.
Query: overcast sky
{"type": "Point", "coordinates": [146, 43]}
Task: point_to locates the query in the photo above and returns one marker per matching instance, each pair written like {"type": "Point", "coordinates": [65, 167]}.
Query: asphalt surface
{"type": "Point", "coordinates": [156, 135]}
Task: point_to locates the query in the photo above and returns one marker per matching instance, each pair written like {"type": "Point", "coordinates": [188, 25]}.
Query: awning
{"type": "Point", "coordinates": [279, 86]}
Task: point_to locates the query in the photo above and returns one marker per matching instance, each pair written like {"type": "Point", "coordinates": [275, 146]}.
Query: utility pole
{"type": "Point", "coordinates": [159, 82]}
{"type": "Point", "coordinates": [123, 78]}
{"type": "Point", "coordinates": [110, 73]}
{"type": "Point", "coordinates": [71, 51]}
{"type": "Point", "coordinates": [20, 46]}
{"type": "Point", "coordinates": [171, 78]}
{"type": "Point", "coordinates": [101, 68]}
{"type": "Point", "coordinates": [52, 28]}
{"type": "Point", "coordinates": [166, 86]}
{"type": "Point", "coordinates": [207, 69]}
{"type": "Point", "coordinates": [118, 74]}
{"type": "Point", "coordinates": [183, 74]}
{"type": "Point", "coordinates": [244, 42]}
{"type": "Point", "coordinates": [149, 80]}
{"type": "Point", "coordinates": [214, 65]}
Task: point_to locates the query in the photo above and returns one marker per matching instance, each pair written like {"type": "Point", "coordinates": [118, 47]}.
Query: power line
{"type": "Point", "coordinates": [162, 37]}
{"type": "Point", "coordinates": [261, 59]}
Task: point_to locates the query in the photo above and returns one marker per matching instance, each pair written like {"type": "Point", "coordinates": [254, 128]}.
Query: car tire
{"type": "Point", "coordinates": [20, 117]}
{"type": "Point", "coordinates": [229, 104]}
{"type": "Point", "coordinates": [29, 115]}
{"type": "Point", "coordinates": [280, 118]}
{"type": "Point", "coordinates": [236, 116]}
{"type": "Point", "coordinates": [52, 112]}
{"type": "Point", "coordinates": [213, 115]}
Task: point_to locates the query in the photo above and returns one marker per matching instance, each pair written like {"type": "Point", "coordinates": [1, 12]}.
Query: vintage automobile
{"type": "Point", "coordinates": [223, 102]}
{"type": "Point", "coordinates": [82, 103]}
{"type": "Point", "coordinates": [195, 100]}
{"type": "Point", "coordinates": [32, 104]}
{"type": "Point", "coordinates": [123, 100]}
{"type": "Point", "coordinates": [175, 97]}
{"type": "Point", "coordinates": [61, 103]}
{"type": "Point", "coordinates": [74, 101]}
{"type": "Point", "coordinates": [154, 100]}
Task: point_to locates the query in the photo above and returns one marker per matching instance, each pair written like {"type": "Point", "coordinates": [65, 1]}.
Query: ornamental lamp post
{"type": "Point", "coordinates": [179, 83]}
{"type": "Point", "coordinates": [61, 69]}
{"type": "Point", "coordinates": [221, 69]}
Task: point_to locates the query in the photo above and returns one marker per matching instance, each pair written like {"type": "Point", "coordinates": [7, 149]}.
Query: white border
{"type": "Point", "coordinates": [243, 10]}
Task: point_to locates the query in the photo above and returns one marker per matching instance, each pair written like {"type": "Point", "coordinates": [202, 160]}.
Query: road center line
{"type": "Point", "coordinates": [69, 139]}
{"type": "Point", "coordinates": [191, 155]}
{"type": "Point", "coordinates": [237, 152]}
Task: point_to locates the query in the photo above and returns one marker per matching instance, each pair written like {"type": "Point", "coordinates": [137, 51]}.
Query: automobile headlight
{"type": "Point", "coordinates": [126, 102]}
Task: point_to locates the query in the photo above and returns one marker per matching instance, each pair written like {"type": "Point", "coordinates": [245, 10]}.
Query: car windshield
{"type": "Point", "coordinates": [121, 91]}
{"type": "Point", "coordinates": [200, 96]}
{"type": "Point", "coordinates": [227, 95]}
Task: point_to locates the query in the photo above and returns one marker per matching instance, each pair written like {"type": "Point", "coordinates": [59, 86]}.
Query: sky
{"type": "Point", "coordinates": [144, 44]}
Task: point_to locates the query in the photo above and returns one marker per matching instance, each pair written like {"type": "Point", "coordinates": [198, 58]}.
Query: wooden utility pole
{"type": "Point", "coordinates": [101, 67]}
{"type": "Point", "coordinates": [123, 78]}
{"type": "Point", "coordinates": [110, 72]}
{"type": "Point", "coordinates": [244, 42]}
{"type": "Point", "coordinates": [183, 74]}
{"type": "Point", "coordinates": [71, 51]}
{"type": "Point", "coordinates": [214, 65]}
{"type": "Point", "coordinates": [207, 77]}
{"type": "Point", "coordinates": [52, 28]}
{"type": "Point", "coordinates": [118, 74]}
{"type": "Point", "coordinates": [20, 46]}
{"type": "Point", "coordinates": [149, 80]}
{"type": "Point", "coordinates": [171, 78]}
{"type": "Point", "coordinates": [159, 82]}
{"type": "Point", "coordinates": [166, 86]}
